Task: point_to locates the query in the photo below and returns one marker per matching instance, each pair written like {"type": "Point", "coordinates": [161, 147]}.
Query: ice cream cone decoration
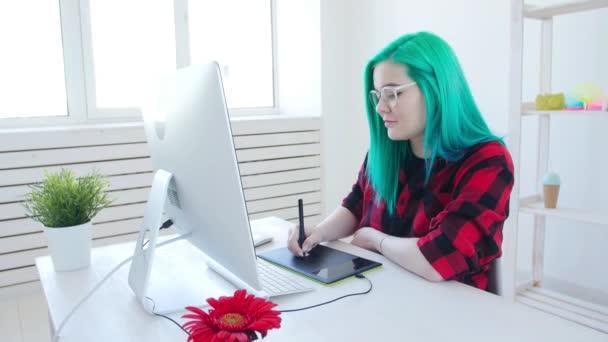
{"type": "Point", "coordinates": [551, 184]}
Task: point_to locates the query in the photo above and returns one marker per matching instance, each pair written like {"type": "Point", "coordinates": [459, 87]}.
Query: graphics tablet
{"type": "Point", "coordinates": [323, 263]}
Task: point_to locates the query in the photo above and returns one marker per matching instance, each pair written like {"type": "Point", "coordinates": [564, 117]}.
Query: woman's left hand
{"type": "Point", "coordinates": [368, 238]}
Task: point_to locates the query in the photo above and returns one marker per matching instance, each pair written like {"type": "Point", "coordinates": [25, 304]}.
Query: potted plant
{"type": "Point", "coordinates": [65, 206]}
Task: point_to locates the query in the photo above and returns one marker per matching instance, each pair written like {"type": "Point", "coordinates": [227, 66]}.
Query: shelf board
{"type": "Point", "coordinates": [535, 205]}
{"type": "Point", "coordinates": [545, 12]}
{"type": "Point", "coordinates": [589, 314]}
{"type": "Point", "coordinates": [528, 109]}
{"type": "Point", "coordinates": [563, 112]}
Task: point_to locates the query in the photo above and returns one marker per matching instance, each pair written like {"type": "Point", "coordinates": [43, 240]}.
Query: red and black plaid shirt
{"type": "Point", "coordinates": [458, 215]}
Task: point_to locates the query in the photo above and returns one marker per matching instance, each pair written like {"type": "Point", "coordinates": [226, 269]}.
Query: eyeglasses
{"type": "Point", "coordinates": [390, 95]}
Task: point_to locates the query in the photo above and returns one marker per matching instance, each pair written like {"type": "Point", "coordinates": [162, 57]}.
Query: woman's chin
{"type": "Point", "coordinates": [394, 135]}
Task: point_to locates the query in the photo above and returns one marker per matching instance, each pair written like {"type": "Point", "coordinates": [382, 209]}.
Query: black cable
{"type": "Point", "coordinates": [166, 317]}
{"type": "Point", "coordinates": [360, 276]}
{"type": "Point", "coordinates": [165, 225]}
{"type": "Point", "coordinates": [171, 319]}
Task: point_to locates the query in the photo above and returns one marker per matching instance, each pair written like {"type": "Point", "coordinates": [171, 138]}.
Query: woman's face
{"type": "Point", "coordinates": [404, 115]}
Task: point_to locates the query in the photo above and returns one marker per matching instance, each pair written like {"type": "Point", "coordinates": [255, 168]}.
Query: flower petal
{"type": "Point", "coordinates": [201, 335]}
{"type": "Point", "coordinates": [241, 337]}
{"type": "Point", "coordinates": [196, 317]}
{"type": "Point", "coordinates": [214, 302]}
{"type": "Point", "coordinates": [260, 305]}
{"type": "Point", "coordinates": [240, 294]}
{"type": "Point", "coordinates": [216, 338]}
{"type": "Point", "coordinates": [265, 324]}
{"type": "Point", "coordinates": [224, 335]}
{"type": "Point", "coordinates": [197, 311]}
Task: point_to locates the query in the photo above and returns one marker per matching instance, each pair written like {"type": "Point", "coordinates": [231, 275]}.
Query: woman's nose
{"type": "Point", "coordinates": [382, 107]}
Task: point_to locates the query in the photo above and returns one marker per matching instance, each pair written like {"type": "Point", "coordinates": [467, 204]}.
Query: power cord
{"type": "Point", "coordinates": [166, 224]}
{"type": "Point", "coordinates": [167, 317]}
{"type": "Point", "coordinates": [360, 276]}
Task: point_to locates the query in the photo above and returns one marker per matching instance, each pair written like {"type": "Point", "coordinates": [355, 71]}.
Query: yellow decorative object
{"type": "Point", "coordinates": [591, 95]}
{"type": "Point", "coordinates": [550, 101]}
{"type": "Point", "coordinates": [588, 92]}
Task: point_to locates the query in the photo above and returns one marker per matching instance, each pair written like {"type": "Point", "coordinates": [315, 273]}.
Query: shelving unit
{"type": "Point", "coordinates": [532, 293]}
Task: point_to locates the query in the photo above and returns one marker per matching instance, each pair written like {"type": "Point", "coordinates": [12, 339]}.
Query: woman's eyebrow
{"type": "Point", "coordinates": [388, 85]}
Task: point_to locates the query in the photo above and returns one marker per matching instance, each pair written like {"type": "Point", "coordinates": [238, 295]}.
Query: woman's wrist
{"type": "Point", "coordinates": [319, 232]}
{"type": "Point", "coordinates": [381, 242]}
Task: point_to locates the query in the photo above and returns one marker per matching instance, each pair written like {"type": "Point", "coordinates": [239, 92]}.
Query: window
{"type": "Point", "coordinates": [133, 45]}
{"type": "Point", "coordinates": [72, 61]}
{"type": "Point", "coordinates": [31, 62]}
{"type": "Point", "coordinates": [237, 34]}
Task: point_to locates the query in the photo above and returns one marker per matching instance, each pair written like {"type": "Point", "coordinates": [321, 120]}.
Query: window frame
{"type": "Point", "coordinates": [79, 73]}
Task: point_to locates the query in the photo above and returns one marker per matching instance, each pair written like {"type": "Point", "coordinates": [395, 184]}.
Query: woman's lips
{"type": "Point", "coordinates": [389, 123]}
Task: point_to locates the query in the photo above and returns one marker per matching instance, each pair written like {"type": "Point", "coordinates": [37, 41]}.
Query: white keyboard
{"type": "Point", "coordinates": [277, 282]}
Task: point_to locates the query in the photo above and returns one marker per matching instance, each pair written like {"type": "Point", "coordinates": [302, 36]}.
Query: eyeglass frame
{"type": "Point", "coordinates": [376, 96]}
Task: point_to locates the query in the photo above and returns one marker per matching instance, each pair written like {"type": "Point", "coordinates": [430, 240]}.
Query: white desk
{"type": "Point", "coordinates": [401, 307]}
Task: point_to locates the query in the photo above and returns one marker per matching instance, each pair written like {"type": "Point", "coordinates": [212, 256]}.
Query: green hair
{"type": "Point", "coordinates": [453, 121]}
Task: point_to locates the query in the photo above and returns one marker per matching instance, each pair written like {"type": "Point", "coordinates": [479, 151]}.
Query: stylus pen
{"type": "Point", "coordinates": [302, 236]}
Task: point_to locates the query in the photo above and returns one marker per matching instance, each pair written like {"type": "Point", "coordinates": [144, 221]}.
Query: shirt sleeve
{"type": "Point", "coordinates": [354, 200]}
{"type": "Point", "coordinates": [467, 234]}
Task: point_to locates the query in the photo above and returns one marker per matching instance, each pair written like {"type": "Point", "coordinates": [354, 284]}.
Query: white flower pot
{"type": "Point", "coordinates": [70, 247]}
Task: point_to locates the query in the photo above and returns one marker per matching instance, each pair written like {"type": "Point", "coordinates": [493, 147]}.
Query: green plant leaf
{"type": "Point", "coordinates": [63, 200]}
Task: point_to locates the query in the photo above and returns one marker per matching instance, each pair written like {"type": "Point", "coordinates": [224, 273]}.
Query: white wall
{"type": "Point", "coordinates": [343, 132]}
{"type": "Point", "coordinates": [352, 31]}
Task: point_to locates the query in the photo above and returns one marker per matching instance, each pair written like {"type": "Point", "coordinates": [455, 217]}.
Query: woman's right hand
{"type": "Point", "coordinates": [313, 238]}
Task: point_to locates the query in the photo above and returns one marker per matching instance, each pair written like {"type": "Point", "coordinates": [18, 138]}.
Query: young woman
{"type": "Point", "coordinates": [433, 191]}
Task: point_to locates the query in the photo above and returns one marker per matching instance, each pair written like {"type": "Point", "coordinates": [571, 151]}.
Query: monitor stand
{"type": "Point", "coordinates": [166, 280]}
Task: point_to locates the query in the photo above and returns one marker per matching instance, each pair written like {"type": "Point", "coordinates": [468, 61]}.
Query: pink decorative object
{"type": "Point", "coordinates": [575, 108]}
{"type": "Point", "coordinates": [597, 105]}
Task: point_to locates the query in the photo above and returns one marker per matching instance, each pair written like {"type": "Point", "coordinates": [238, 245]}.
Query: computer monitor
{"type": "Point", "coordinates": [192, 150]}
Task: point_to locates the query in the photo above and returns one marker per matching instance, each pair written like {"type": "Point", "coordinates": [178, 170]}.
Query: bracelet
{"type": "Point", "coordinates": [380, 245]}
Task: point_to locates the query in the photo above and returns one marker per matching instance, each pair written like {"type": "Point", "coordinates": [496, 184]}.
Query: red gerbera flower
{"type": "Point", "coordinates": [232, 319]}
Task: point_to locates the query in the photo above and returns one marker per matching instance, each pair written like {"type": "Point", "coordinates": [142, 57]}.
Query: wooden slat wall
{"type": "Point", "coordinates": [279, 160]}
